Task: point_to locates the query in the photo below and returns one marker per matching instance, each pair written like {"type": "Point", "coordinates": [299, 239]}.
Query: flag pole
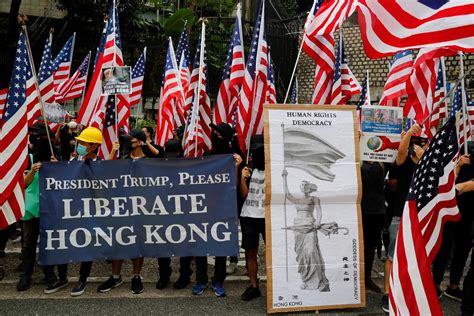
{"type": "Point", "coordinates": [35, 79]}
{"type": "Point", "coordinates": [443, 67]}
{"type": "Point", "coordinates": [253, 117]}
{"type": "Point", "coordinates": [72, 53]}
{"type": "Point", "coordinates": [197, 100]}
{"type": "Point", "coordinates": [284, 202]}
{"type": "Point", "coordinates": [299, 54]}
{"type": "Point", "coordinates": [463, 98]}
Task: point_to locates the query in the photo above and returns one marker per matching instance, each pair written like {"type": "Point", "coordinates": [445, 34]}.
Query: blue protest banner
{"type": "Point", "coordinates": [137, 208]}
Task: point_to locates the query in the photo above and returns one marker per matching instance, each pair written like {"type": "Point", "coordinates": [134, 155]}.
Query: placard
{"type": "Point", "coordinates": [116, 80]}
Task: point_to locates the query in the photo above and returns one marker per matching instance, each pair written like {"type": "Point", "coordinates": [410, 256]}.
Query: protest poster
{"type": "Point", "coordinates": [381, 129]}
{"type": "Point", "coordinates": [313, 218]}
{"type": "Point", "coordinates": [144, 208]}
{"type": "Point", "coordinates": [116, 80]}
{"type": "Point", "coordinates": [55, 113]}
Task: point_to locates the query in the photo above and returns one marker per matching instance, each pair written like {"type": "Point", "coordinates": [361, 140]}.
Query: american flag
{"type": "Point", "coordinates": [45, 78]}
{"type": "Point", "coordinates": [234, 71]}
{"type": "Point", "coordinates": [421, 86]}
{"type": "Point", "coordinates": [138, 73]}
{"type": "Point", "coordinates": [254, 88]}
{"type": "Point", "coordinates": [322, 86]}
{"type": "Point", "coordinates": [364, 99]}
{"type": "Point", "coordinates": [431, 201]}
{"type": "Point", "coordinates": [320, 47]}
{"type": "Point", "coordinates": [3, 101]}
{"type": "Point", "coordinates": [170, 97]}
{"type": "Point", "coordinates": [294, 92]}
{"type": "Point", "coordinates": [271, 90]}
{"type": "Point", "coordinates": [110, 54]}
{"type": "Point", "coordinates": [470, 112]}
{"type": "Point", "coordinates": [440, 92]}
{"type": "Point", "coordinates": [14, 135]}
{"type": "Point", "coordinates": [198, 133]}
{"type": "Point", "coordinates": [345, 84]}
{"type": "Point", "coordinates": [62, 62]}
{"type": "Point", "coordinates": [393, 25]}
{"type": "Point", "coordinates": [398, 75]}
{"type": "Point", "coordinates": [73, 87]}
{"type": "Point", "coordinates": [183, 58]}
{"type": "Point", "coordinates": [463, 132]}
{"type": "Point", "coordinates": [330, 16]}
{"type": "Point", "coordinates": [109, 128]}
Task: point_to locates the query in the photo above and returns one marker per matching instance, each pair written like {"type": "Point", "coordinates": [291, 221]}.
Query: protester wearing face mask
{"type": "Point", "coordinates": [173, 149]}
{"type": "Point", "coordinates": [89, 142]}
{"type": "Point", "coordinates": [221, 144]}
{"type": "Point", "coordinates": [65, 138]}
{"type": "Point", "coordinates": [135, 138]}
{"type": "Point", "coordinates": [150, 149]}
{"type": "Point", "coordinates": [410, 152]}
{"type": "Point", "coordinates": [39, 152]}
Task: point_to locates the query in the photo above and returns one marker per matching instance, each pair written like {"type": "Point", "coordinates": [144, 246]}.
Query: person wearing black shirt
{"type": "Point", "coordinates": [135, 137]}
{"type": "Point", "coordinates": [150, 149]}
{"type": "Point", "coordinates": [456, 236]}
{"type": "Point", "coordinates": [373, 214]}
{"type": "Point", "coordinates": [410, 152]}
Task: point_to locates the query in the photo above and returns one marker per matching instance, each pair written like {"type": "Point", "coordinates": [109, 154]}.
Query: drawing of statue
{"type": "Point", "coordinates": [306, 224]}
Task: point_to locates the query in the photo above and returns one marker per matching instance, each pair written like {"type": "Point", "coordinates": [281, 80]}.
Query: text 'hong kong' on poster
{"type": "Point", "coordinates": [149, 207]}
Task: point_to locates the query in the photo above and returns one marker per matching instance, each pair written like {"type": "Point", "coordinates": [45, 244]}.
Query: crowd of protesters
{"type": "Point", "coordinates": [384, 191]}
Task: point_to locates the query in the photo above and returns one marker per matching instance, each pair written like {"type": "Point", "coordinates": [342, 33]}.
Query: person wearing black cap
{"type": "Point", "coordinates": [221, 144]}
{"type": "Point", "coordinates": [252, 217]}
{"type": "Point", "coordinates": [150, 149]}
{"type": "Point", "coordinates": [173, 149]}
{"type": "Point", "coordinates": [135, 137]}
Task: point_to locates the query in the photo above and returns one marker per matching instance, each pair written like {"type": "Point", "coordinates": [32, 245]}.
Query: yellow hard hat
{"type": "Point", "coordinates": [90, 135]}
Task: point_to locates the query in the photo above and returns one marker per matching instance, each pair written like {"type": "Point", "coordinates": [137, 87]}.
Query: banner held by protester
{"type": "Point", "coordinates": [144, 208]}
{"type": "Point", "coordinates": [314, 243]}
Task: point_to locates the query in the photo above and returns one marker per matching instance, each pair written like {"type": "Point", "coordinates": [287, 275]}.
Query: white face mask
{"type": "Point", "coordinates": [72, 125]}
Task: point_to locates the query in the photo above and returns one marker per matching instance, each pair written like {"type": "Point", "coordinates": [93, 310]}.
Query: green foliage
{"type": "Point", "coordinates": [174, 25]}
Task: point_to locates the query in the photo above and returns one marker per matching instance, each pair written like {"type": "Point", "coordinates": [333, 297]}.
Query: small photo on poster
{"type": "Point", "coordinates": [381, 129]}
{"type": "Point", "coordinates": [116, 80]}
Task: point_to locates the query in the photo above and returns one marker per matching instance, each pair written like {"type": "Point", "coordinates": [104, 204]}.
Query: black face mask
{"type": "Point", "coordinates": [219, 145]}
{"type": "Point", "coordinates": [33, 139]}
{"type": "Point", "coordinates": [258, 158]}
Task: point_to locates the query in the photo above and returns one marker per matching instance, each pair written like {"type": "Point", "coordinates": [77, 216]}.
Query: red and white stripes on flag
{"type": "Point", "coordinates": [109, 128]}
{"type": "Point", "coordinates": [138, 74]}
{"type": "Point", "coordinates": [345, 83]}
{"type": "Point", "coordinates": [110, 54]}
{"type": "Point", "coordinates": [421, 85]}
{"type": "Point", "coordinates": [234, 71]}
{"type": "Point", "coordinates": [14, 135]}
{"type": "Point", "coordinates": [398, 75]}
{"type": "Point", "coordinates": [431, 202]}
{"type": "Point", "coordinates": [254, 88]}
{"type": "Point", "coordinates": [320, 47]}
{"type": "Point", "coordinates": [170, 98]}
{"type": "Point", "coordinates": [73, 87]}
{"type": "Point", "coordinates": [271, 90]}
{"type": "Point", "coordinates": [197, 137]}
{"type": "Point", "coordinates": [3, 101]}
{"type": "Point", "coordinates": [330, 16]}
{"type": "Point", "coordinates": [392, 25]}
{"type": "Point", "coordinates": [322, 86]}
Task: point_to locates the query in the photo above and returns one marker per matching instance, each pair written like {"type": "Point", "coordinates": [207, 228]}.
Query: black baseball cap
{"type": "Point", "coordinates": [138, 134]}
{"type": "Point", "coordinates": [224, 129]}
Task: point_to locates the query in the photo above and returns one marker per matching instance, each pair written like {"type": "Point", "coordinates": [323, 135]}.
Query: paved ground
{"type": "Point", "coordinates": [120, 301]}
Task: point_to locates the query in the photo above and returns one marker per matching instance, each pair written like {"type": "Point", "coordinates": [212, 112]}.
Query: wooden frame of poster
{"type": "Point", "coordinates": [283, 304]}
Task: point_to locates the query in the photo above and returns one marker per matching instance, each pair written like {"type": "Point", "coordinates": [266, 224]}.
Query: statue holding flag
{"type": "Point", "coordinates": [312, 154]}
